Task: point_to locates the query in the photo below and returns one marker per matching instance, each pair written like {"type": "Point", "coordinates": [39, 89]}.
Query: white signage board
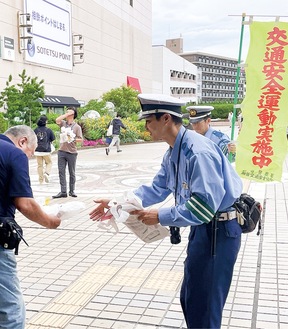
{"type": "Point", "coordinates": [8, 51]}
{"type": "Point", "coordinates": [51, 44]}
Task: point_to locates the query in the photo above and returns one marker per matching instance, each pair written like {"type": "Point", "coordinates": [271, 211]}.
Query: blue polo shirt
{"type": "Point", "coordinates": [14, 176]}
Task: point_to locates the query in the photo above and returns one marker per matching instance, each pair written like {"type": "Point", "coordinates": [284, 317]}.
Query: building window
{"type": "Point", "coordinates": [131, 3]}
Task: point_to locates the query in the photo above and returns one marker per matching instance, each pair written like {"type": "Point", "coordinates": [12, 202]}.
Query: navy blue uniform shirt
{"type": "Point", "coordinates": [14, 176]}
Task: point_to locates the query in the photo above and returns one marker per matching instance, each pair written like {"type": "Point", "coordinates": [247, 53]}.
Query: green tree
{"type": "Point", "coordinates": [21, 100]}
{"type": "Point", "coordinates": [93, 104]}
{"type": "Point", "coordinates": [125, 100]}
{"type": "Point", "coordinates": [3, 123]}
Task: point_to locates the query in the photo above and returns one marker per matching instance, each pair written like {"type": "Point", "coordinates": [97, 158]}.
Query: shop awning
{"type": "Point", "coordinates": [58, 101]}
{"type": "Point", "coordinates": [134, 83]}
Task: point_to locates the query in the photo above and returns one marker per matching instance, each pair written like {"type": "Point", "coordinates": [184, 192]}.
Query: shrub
{"type": "Point", "coordinates": [3, 123]}
{"type": "Point", "coordinates": [94, 129]}
{"type": "Point", "coordinates": [221, 110]}
{"type": "Point", "coordinates": [93, 104]}
{"type": "Point", "coordinates": [125, 100]}
{"type": "Point", "coordinates": [131, 134]}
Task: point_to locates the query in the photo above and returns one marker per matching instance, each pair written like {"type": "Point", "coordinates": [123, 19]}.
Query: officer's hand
{"type": "Point", "coordinates": [100, 210]}
{"type": "Point", "coordinates": [148, 217]}
{"type": "Point", "coordinates": [231, 147]}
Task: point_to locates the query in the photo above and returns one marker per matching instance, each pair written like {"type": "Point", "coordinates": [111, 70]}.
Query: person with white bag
{"type": "Point", "coordinates": [116, 124]}
{"type": "Point", "coordinates": [71, 134]}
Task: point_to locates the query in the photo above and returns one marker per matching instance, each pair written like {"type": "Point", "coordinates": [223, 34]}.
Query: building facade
{"type": "Point", "coordinates": [216, 77]}
{"type": "Point", "coordinates": [81, 49]}
{"type": "Point", "coordinates": [175, 45]}
{"type": "Point", "coordinates": [173, 75]}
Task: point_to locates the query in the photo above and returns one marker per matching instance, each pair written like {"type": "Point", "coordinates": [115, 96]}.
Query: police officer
{"type": "Point", "coordinates": [200, 119]}
{"type": "Point", "coordinates": [204, 186]}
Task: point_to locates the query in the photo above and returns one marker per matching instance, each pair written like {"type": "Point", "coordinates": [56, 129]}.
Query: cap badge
{"type": "Point", "coordinates": [192, 113]}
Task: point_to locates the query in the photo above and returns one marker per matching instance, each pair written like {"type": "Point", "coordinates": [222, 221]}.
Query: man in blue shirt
{"type": "Point", "coordinates": [16, 146]}
{"type": "Point", "coordinates": [205, 187]}
{"type": "Point", "coordinates": [200, 119]}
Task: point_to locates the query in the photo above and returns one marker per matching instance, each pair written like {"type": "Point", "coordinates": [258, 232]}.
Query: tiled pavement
{"type": "Point", "coordinates": [79, 277]}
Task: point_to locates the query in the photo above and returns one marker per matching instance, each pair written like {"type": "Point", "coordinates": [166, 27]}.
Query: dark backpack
{"type": "Point", "coordinates": [248, 213]}
{"type": "Point", "coordinates": [42, 141]}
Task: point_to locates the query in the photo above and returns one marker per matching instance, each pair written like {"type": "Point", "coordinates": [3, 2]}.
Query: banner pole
{"type": "Point", "coordinates": [237, 83]}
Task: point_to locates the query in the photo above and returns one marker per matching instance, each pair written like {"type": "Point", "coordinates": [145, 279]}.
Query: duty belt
{"type": "Point", "coordinates": [226, 216]}
{"type": "Point", "coordinates": [220, 217]}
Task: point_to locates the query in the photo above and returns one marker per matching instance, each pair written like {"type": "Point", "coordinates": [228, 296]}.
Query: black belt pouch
{"type": "Point", "coordinates": [10, 233]}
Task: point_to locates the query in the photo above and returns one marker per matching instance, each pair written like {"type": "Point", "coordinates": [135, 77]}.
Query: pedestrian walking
{"type": "Point", "coordinates": [240, 120]}
{"type": "Point", "coordinates": [205, 187]}
{"type": "Point", "coordinates": [45, 137]}
{"type": "Point", "coordinates": [71, 134]}
{"type": "Point", "coordinates": [17, 144]}
{"type": "Point", "coordinates": [117, 125]}
{"type": "Point", "coordinates": [230, 118]}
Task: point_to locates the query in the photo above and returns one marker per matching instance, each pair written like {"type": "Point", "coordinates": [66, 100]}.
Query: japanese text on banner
{"type": "Point", "coordinates": [262, 144]}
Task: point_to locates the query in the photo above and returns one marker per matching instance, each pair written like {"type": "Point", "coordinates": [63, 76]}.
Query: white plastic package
{"type": "Point", "coordinates": [64, 210]}
{"type": "Point", "coordinates": [67, 135]}
{"type": "Point", "coordinates": [119, 212]}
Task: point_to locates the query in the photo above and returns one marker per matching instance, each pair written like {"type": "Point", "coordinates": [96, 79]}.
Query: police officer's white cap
{"type": "Point", "coordinates": [199, 113]}
{"type": "Point", "coordinates": [159, 103]}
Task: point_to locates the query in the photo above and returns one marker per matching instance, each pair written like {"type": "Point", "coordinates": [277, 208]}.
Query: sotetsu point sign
{"type": "Point", "coordinates": [51, 43]}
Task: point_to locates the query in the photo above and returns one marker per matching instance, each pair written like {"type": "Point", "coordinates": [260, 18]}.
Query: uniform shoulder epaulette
{"type": "Point", "coordinates": [218, 133]}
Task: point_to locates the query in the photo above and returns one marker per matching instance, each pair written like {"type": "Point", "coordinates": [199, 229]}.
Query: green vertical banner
{"type": "Point", "coordinates": [262, 143]}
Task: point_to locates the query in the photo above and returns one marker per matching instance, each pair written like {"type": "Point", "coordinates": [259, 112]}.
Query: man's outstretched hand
{"type": "Point", "coordinates": [100, 210]}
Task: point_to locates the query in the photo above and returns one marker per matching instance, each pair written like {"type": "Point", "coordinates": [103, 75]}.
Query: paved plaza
{"type": "Point", "coordinates": [81, 276]}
